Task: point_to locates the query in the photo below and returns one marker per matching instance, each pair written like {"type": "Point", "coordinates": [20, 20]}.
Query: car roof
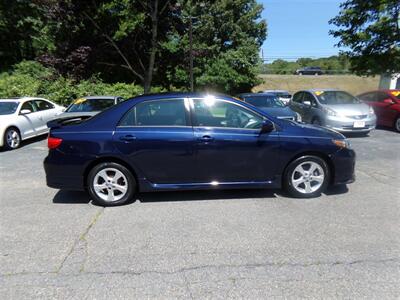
{"type": "Point", "coordinates": [276, 91]}
{"type": "Point", "coordinates": [318, 90]}
{"type": "Point", "coordinates": [169, 95]}
{"type": "Point", "coordinates": [256, 94]}
{"type": "Point", "coordinates": [20, 99]}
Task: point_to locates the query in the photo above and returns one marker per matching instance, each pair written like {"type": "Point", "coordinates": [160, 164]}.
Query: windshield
{"type": "Point", "coordinates": [8, 108]}
{"type": "Point", "coordinates": [88, 105]}
{"type": "Point", "coordinates": [264, 101]}
{"type": "Point", "coordinates": [336, 97]}
{"type": "Point", "coordinates": [283, 95]}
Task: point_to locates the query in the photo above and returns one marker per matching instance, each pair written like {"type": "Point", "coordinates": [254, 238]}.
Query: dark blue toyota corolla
{"type": "Point", "coordinates": [187, 141]}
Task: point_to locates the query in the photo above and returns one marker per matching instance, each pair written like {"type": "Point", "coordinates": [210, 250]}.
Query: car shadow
{"type": "Point", "coordinates": [206, 195]}
{"type": "Point", "coordinates": [71, 197]}
{"type": "Point", "coordinates": [27, 142]}
{"type": "Point", "coordinates": [336, 190]}
{"type": "Point", "coordinates": [77, 197]}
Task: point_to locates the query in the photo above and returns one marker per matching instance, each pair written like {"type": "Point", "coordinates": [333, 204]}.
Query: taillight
{"type": "Point", "coordinates": [53, 142]}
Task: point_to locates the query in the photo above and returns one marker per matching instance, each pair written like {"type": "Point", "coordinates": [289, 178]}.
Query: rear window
{"type": "Point", "coordinates": [335, 97]}
{"type": "Point", "coordinates": [88, 105]}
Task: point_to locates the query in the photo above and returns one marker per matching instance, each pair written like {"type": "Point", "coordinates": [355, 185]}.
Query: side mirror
{"type": "Point", "coordinates": [308, 103]}
{"type": "Point", "coordinates": [388, 101]}
{"type": "Point", "coordinates": [267, 126]}
{"type": "Point", "coordinates": [25, 111]}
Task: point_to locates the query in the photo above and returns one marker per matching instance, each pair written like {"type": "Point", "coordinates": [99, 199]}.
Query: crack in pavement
{"type": "Point", "coordinates": [222, 266]}
{"type": "Point", "coordinates": [74, 261]}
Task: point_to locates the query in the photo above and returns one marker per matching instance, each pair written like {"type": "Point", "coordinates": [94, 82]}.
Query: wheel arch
{"type": "Point", "coordinates": [113, 159]}
{"type": "Point", "coordinates": [321, 155]}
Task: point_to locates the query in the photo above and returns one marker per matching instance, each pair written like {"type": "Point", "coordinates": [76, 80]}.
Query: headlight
{"type": "Point", "coordinates": [342, 143]}
{"type": "Point", "coordinates": [298, 117]}
{"type": "Point", "coordinates": [371, 111]}
{"type": "Point", "coordinates": [329, 111]}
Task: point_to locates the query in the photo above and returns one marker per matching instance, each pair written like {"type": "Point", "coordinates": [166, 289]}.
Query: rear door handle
{"type": "Point", "coordinates": [206, 138]}
{"type": "Point", "coordinates": [128, 138]}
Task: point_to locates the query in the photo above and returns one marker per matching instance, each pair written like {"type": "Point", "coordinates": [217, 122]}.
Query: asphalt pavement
{"type": "Point", "coordinates": [209, 244]}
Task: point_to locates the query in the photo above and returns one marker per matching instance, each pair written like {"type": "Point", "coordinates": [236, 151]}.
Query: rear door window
{"type": "Point", "coordinates": [220, 113]}
{"type": "Point", "coordinates": [170, 112]}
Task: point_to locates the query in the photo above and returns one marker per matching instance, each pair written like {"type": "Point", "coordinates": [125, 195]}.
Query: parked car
{"type": "Point", "coordinates": [335, 109]}
{"type": "Point", "coordinates": [24, 118]}
{"type": "Point", "coordinates": [90, 106]}
{"type": "Point", "coordinates": [270, 104]}
{"type": "Point", "coordinates": [386, 104]}
{"type": "Point", "coordinates": [282, 95]}
{"type": "Point", "coordinates": [188, 141]}
{"type": "Point", "coordinates": [309, 71]}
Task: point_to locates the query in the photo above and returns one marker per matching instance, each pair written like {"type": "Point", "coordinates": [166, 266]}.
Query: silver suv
{"type": "Point", "coordinates": [335, 109]}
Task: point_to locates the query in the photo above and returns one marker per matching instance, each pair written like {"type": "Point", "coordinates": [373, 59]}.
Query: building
{"type": "Point", "coordinates": [390, 82]}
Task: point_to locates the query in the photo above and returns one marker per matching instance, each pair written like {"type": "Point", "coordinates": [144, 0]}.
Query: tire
{"type": "Point", "coordinates": [316, 74]}
{"type": "Point", "coordinates": [111, 184]}
{"type": "Point", "coordinates": [306, 177]}
{"type": "Point", "coordinates": [12, 138]}
{"type": "Point", "coordinates": [397, 124]}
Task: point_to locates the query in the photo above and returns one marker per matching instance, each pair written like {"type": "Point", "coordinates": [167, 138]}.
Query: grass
{"type": "Point", "coordinates": [293, 83]}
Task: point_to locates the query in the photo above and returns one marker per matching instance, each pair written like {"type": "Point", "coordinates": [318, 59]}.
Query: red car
{"type": "Point", "coordinates": [386, 104]}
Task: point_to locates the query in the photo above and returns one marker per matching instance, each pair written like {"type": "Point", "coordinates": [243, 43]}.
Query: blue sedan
{"type": "Point", "coordinates": [270, 103]}
{"type": "Point", "coordinates": [188, 141]}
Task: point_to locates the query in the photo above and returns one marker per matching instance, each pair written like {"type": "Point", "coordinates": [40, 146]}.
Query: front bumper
{"type": "Point", "coordinates": [348, 124]}
{"type": "Point", "coordinates": [344, 162]}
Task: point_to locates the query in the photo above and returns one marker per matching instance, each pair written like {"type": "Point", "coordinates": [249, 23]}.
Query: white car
{"type": "Point", "coordinates": [24, 118]}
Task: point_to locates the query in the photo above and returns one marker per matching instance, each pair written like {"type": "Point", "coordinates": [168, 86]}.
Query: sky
{"type": "Point", "coordinates": [299, 28]}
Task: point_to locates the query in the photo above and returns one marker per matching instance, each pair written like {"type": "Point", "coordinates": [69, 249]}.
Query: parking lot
{"type": "Point", "coordinates": [208, 244]}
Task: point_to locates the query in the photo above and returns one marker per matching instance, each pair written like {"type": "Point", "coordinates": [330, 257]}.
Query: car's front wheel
{"type": "Point", "coordinates": [306, 177]}
{"type": "Point", "coordinates": [397, 124]}
{"type": "Point", "coordinates": [12, 138]}
{"type": "Point", "coordinates": [111, 184]}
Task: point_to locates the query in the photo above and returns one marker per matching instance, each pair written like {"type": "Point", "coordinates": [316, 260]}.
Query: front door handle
{"type": "Point", "coordinates": [206, 138]}
{"type": "Point", "coordinates": [128, 138]}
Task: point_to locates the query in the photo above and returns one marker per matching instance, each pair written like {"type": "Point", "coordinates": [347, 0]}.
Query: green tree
{"type": "Point", "coordinates": [371, 30]}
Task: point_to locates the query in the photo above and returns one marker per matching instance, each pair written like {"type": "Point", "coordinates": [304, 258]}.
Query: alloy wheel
{"type": "Point", "coordinates": [308, 177]}
{"type": "Point", "coordinates": [110, 184]}
{"type": "Point", "coordinates": [13, 139]}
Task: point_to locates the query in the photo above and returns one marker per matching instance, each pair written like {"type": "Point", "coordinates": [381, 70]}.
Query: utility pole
{"type": "Point", "coordinates": [191, 53]}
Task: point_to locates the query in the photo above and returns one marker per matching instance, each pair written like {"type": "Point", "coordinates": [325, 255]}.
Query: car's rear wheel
{"type": "Point", "coordinates": [397, 124]}
{"type": "Point", "coordinates": [12, 138]}
{"type": "Point", "coordinates": [111, 184]}
{"type": "Point", "coordinates": [306, 177]}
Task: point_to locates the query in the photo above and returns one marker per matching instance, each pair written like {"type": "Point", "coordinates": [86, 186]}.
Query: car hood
{"type": "Point", "coordinates": [309, 130]}
{"type": "Point", "coordinates": [350, 109]}
{"type": "Point", "coordinates": [5, 120]}
{"type": "Point", "coordinates": [279, 111]}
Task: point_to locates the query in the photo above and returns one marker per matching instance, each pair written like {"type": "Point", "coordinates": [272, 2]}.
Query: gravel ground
{"type": "Point", "coordinates": [215, 244]}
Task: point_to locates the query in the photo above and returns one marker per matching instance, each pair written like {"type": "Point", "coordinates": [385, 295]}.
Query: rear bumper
{"type": "Point", "coordinates": [65, 177]}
